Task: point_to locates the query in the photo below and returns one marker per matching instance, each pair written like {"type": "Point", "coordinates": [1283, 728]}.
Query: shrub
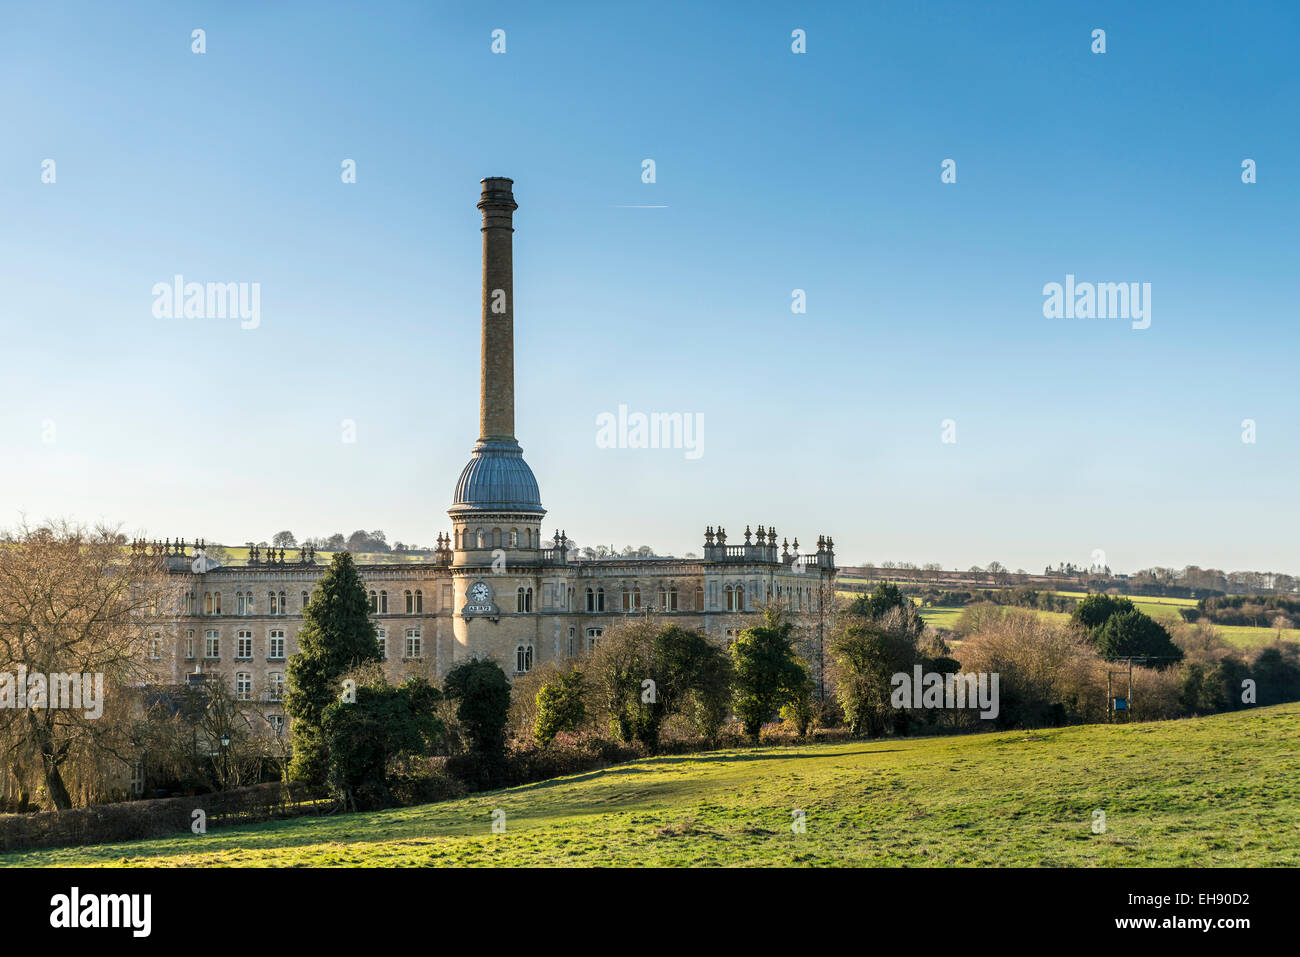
{"type": "Point", "coordinates": [767, 672]}
{"type": "Point", "coordinates": [482, 695]}
{"type": "Point", "coordinates": [560, 707]}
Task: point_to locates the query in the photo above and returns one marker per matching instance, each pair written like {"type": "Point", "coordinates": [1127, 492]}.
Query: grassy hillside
{"type": "Point", "coordinates": [1222, 790]}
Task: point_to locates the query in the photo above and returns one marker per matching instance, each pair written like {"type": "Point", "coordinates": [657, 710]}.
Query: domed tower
{"type": "Point", "coordinates": [497, 512]}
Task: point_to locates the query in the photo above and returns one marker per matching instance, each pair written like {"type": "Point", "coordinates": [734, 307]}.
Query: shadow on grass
{"type": "Point", "coordinates": [648, 765]}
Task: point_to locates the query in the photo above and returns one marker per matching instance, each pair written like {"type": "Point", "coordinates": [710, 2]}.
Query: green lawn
{"type": "Point", "coordinates": [1216, 791]}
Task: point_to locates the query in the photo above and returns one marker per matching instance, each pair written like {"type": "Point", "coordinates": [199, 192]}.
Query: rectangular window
{"type": "Point", "coordinates": [277, 723]}
{"type": "Point", "coordinates": [216, 603]}
{"type": "Point", "coordinates": [382, 638]}
{"type": "Point", "coordinates": [413, 643]}
{"type": "Point", "coordinates": [244, 645]}
{"type": "Point", "coordinates": [275, 686]}
{"type": "Point", "coordinates": [275, 646]}
{"type": "Point", "coordinates": [243, 685]}
{"type": "Point", "coordinates": [211, 645]}
{"type": "Point", "coordinates": [593, 636]}
{"type": "Point", "coordinates": [155, 646]}
{"type": "Point", "coordinates": [189, 645]}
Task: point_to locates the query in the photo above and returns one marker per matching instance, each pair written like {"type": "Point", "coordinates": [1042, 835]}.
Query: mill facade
{"type": "Point", "coordinates": [495, 587]}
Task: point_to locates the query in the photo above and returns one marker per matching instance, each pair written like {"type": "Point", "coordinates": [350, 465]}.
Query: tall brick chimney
{"type": "Point", "coordinates": [497, 479]}
{"type": "Point", "coordinates": [497, 387]}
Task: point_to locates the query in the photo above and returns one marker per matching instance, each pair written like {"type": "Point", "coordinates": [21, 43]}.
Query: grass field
{"type": "Point", "coordinates": [1216, 791]}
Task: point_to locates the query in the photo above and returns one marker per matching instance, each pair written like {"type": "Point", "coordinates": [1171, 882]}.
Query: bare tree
{"type": "Point", "coordinates": [81, 619]}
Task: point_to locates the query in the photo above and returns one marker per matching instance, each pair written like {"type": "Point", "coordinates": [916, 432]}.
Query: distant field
{"type": "Point", "coordinates": [1221, 791]}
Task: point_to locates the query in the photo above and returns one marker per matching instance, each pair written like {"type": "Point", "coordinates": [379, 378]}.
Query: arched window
{"type": "Point", "coordinates": [636, 597]}
{"type": "Point", "coordinates": [627, 598]}
{"type": "Point", "coordinates": [672, 599]}
{"type": "Point", "coordinates": [523, 659]}
{"type": "Point", "coordinates": [419, 602]}
{"type": "Point", "coordinates": [239, 603]}
{"type": "Point", "coordinates": [479, 536]}
{"type": "Point", "coordinates": [514, 538]}
{"type": "Point", "coordinates": [519, 600]}
{"type": "Point", "coordinates": [591, 600]}
{"type": "Point", "coordinates": [374, 602]}
{"type": "Point", "coordinates": [699, 598]}
{"type": "Point", "coordinates": [410, 602]}
{"type": "Point", "coordinates": [496, 538]}
{"type": "Point", "coordinates": [270, 602]}
{"type": "Point", "coordinates": [207, 603]}
{"type": "Point", "coordinates": [306, 600]}
{"type": "Point", "coordinates": [573, 638]}
{"type": "Point", "coordinates": [383, 603]}
{"type": "Point", "coordinates": [284, 604]}
{"type": "Point", "coordinates": [600, 599]}
{"type": "Point", "coordinates": [735, 597]}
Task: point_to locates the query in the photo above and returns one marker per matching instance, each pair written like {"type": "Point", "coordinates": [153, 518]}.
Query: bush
{"type": "Point", "coordinates": [482, 695]}
{"type": "Point", "coordinates": [560, 707]}
{"type": "Point", "coordinates": [1048, 674]}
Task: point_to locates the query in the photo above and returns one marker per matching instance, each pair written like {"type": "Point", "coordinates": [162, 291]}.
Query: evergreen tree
{"type": "Point", "coordinates": [768, 674]}
{"type": "Point", "coordinates": [482, 695]}
{"type": "Point", "coordinates": [1133, 634]}
{"type": "Point", "coordinates": [337, 635]}
{"type": "Point", "coordinates": [1095, 610]}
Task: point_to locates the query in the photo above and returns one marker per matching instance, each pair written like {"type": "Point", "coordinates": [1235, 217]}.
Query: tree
{"type": "Point", "coordinates": [886, 598]}
{"type": "Point", "coordinates": [481, 693]}
{"type": "Point", "coordinates": [560, 707]}
{"type": "Point", "coordinates": [1095, 610]}
{"type": "Point", "coordinates": [645, 673]}
{"type": "Point", "coordinates": [284, 540]}
{"type": "Point", "coordinates": [1131, 634]}
{"type": "Point", "coordinates": [768, 674]}
{"type": "Point", "coordinates": [336, 636]}
{"type": "Point", "coordinates": [364, 736]}
{"type": "Point", "coordinates": [77, 615]}
{"type": "Point", "coordinates": [866, 653]}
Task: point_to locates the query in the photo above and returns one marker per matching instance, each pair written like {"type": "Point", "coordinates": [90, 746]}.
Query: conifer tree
{"type": "Point", "coordinates": [337, 635]}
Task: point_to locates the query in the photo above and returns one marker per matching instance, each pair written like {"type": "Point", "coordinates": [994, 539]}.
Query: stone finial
{"type": "Point", "coordinates": [748, 533]}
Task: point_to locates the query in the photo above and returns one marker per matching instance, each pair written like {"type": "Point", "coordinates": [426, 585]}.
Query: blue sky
{"type": "Point", "coordinates": [776, 172]}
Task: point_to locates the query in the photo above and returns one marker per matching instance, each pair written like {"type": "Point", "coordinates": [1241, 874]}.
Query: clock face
{"type": "Point", "coordinates": [480, 593]}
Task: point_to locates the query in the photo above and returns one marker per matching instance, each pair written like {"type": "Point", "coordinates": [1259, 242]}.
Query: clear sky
{"type": "Point", "coordinates": [775, 171]}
